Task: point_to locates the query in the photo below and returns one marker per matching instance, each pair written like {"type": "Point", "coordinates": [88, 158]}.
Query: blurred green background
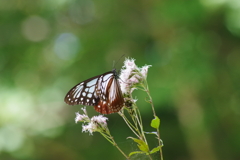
{"type": "Point", "coordinates": [48, 46]}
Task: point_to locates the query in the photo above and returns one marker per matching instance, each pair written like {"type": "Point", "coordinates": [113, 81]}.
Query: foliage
{"type": "Point", "coordinates": [46, 46]}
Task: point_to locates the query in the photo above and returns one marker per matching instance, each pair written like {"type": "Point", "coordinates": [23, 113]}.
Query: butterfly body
{"type": "Point", "coordinates": [102, 91]}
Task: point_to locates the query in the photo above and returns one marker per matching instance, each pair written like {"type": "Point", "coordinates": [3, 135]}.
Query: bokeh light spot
{"type": "Point", "coordinates": [35, 28]}
{"type": "Point", "coordinates": [82, 11]}
{"type": "Point", "coordinates": [213, 3]}
{"type": "Point", "coordinates": [66, 46]}
{"type": "Point", "coordinates": [11, 138]}
{"type": "Point", "coordinates": [232, 21]}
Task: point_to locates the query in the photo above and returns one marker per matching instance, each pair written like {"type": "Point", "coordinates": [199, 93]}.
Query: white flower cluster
{"type": "Point", "coordinates": [131, 74]}
{"type": "Point", "coordinates": [82, 117]}
{"type": "Point", "coordinates": [94, 124]}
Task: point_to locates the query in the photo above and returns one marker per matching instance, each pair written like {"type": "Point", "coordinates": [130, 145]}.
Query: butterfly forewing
{"type": "Point", "coordinates": [83, 93]}
{"type": "Point", "coordinates": [103, 92]}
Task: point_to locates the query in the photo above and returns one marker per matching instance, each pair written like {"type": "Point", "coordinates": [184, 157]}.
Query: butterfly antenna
{"type": "Point", "coordinates": [113, 64]}
{"type": "Point", "coordinates": [117, 61]}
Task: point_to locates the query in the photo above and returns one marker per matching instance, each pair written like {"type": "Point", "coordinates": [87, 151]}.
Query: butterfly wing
{"type": "Point", "coordinates": [83, 93]}
{"type": "Point", "coordinates": [109, 92]}
{"type": "Point", "coordinates": [102, 91]}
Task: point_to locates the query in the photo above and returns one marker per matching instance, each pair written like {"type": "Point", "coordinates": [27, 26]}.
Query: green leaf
{"type": "Point", "coordinates": [155, 123]}
{"type": "Point", "coordinates": [136, 152]}
{"type": "Point", "coordinates": [141, 145]}
{"type": "Point", "coordinates": [155, 150]}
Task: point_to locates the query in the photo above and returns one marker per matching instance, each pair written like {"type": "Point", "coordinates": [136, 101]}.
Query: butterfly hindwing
{"type": "Point", "coordinates": [108, 89]}
{"type": "Point", "coordinates": [103, 92]}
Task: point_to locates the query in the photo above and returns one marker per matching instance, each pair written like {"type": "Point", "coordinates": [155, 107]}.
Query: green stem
{"type": "Point", "coordinates": [139, 121]}
{"type": "Point", "coordinates": [129, 124]}
{"type": "Point", "coordinates": [154, 113]}
{"type": "Point", "coordinates": [111, 140]}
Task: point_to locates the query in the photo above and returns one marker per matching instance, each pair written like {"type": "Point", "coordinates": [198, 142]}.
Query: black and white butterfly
{"type": "Point", "coordinates": [102, 91]}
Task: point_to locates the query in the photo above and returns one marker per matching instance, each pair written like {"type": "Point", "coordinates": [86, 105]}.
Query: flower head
{"type": "Point", "coordinates": [97, 123]}
{"type": "Point", "coordinates": [100, 119]}
{"type": "Point", "coordinates": [84, 110]}
{"type": "Point", "coordinates": [90, 127]}
{"type": "Point", "coordinates": [129, 63]}
{"type": "Point", "coordinates": [131, 75]}
{"type": "Point", "coordinates": [144, 70]}
{"type": "Point", "coordinates": [81, 117]}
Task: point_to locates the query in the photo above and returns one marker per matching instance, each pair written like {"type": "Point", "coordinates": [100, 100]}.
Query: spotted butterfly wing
{"type": "Point", "coordinates": [102, 91]}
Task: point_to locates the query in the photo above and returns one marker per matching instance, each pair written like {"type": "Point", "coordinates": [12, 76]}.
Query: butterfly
{"type": "Point", "coordinates": [102, 91]}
